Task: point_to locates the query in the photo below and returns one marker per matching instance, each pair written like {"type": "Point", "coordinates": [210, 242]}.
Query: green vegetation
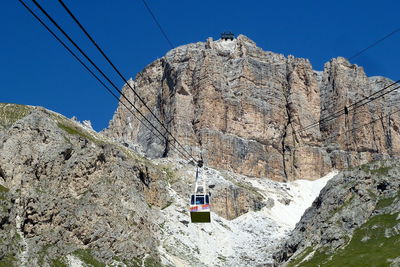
{"type": "Point", "coordinates": [8, 261]}
{"type": "Point", "coordinates": [300, 257]}
{"type": "Point", "coordinates": [75, 131]}
{"type": "Point", "coordinates": [385, 202]}
{"type": "Point", "coordinates": [371, 194]}
{"type": "Point", "coordinates": [365, 167]}
{"type": "Point", "coordinates": [374, 251]}
{"type": "Point", "coordinates": [85, 256]}
{"type": "Point", "coordinates": [43, 253]}
{"type": "Point", "coordinates": [221, 258]}
{"type": "Point", "coordinates": [10, 113]}
{"type": "Point", "coordinates": [375, 168]}
{"type": "Point", "coordinates": [372, 244]}
{"type": "Point", "coordinates": [132, 155]}
{"type": "Point", "coordinates": [381, 171]}
{"type": "Point", "coordinates": [3, 191]}
{"type": "Point", "coordinates": [59, 262]}
{"type": "Point", "coordinates": [346, 203]}
{"type": "Point", "coordinates": [169, 203]}
{"type": "Point", "coordinates": [129, 263]}
{"type": "Point", "coordinates": [319, 258]}
{"type": "Point", "coordinates": [136, 262]}
{"type": "Point", "coordinates": [151, 262]}
{"type": "Point", "coordinates": [169, 174]}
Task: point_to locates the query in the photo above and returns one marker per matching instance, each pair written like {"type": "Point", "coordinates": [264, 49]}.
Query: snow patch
{"type": "Point", "coordinates": [303, 193]}
{"type": "Point", "coordinates": [245, 240]}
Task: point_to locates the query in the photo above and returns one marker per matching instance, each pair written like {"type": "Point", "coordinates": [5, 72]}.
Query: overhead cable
{"type": "Point", "coordinates": [80, 61]}
{"type": "Point", "coordinates": [351, 107]}
{"type": "Point", "coordinates": [158, 24]}
{"type": "Point", "coordinates": [374, 43]}
{"type": "Point", "coordinates": [121, 76]}
{"type": "Point", "coordinates": [97, 68]}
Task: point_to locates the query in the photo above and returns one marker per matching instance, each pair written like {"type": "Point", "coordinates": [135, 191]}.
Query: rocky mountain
{"type": "Point", "coordinates": [240, 108]}
{"type": "Point", "coordinates": [355, 221]}
{"type": "Point", "coordinates": [72, 197]}
{"type": "Point", "coordinates": [68, 193]}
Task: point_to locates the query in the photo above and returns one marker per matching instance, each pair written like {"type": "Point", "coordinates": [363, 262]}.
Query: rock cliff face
{"type": "Point", "coordinates": [240, 108]}
{"type": "Point", "coordinates": [67, 193]}
{"type": "Point", "coordinates": [355, 221]}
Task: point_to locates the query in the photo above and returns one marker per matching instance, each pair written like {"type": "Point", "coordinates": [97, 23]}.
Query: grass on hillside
{"type": "Point", "coordinates": [371, 245]}
{"type": "Point", "coordinates": [10, 113]}
{"type": "Point", "coordinates": [75, 131]}
{"type": "Point", "coordinates": [86, 256]}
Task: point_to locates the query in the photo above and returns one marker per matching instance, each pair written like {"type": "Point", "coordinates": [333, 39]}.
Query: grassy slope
{"type": "Point", "coordinates": [375, 243]}
{"type": "Point", "coordinates": [10, 113]}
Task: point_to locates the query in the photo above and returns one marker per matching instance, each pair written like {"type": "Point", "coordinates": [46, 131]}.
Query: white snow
{"type": "Point", "coordinates": [303, 193]}
{"type": "Point", "coordinates": [245, 241]}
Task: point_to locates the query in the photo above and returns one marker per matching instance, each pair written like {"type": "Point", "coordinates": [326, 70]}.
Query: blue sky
{"type": "Point", "coordinates": [36, 70]}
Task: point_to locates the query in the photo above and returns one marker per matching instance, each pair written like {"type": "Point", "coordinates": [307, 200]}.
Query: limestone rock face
{"type": "Point", "coordinates": [65, 192]}
{"type": "Point", "coordinates": [240, 108]}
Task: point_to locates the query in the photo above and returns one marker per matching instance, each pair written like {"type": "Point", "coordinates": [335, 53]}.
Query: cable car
{"type": "Point", "coordinates": [200, 204]}
{"type": "Point", "coordinates": [200, 208]}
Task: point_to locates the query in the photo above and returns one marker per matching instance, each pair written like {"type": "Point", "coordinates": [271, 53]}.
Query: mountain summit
{"type": "Point", "coordinates": [243, 109]}
{"type": "Point", "coordinates": [72, 197]}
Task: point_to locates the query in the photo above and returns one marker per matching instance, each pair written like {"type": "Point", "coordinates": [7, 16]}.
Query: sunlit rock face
{"type": "Point", "coordinates": [240, 108]}
{"type": "Point", "coordinates": [66, 191]}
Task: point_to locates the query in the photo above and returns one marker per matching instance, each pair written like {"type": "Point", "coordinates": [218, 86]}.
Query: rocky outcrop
{"type": "Point", "coordinates": [355, 216]}
{"type": "Point", "coordinates": [68, 193]}
{"type": "Point", "coordinates": [240, 108]}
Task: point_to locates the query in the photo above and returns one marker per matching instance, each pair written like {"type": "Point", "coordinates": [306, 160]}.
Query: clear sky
{"type": "Point", "coordinates": [36, 70]}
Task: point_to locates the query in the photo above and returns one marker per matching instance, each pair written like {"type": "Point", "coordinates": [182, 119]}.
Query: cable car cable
{"type": "Point", "coordinates": [370, 100]}
{"type": "Point", "coordinates": [158, 24]}
{"type": "Point", "coordinates": [374, 43]}
{"type": "Point", "coordinates": [90, 60]}
{"type": "Point", "coordinates": [80, 50]}
{"type": "Point", "coordinates": [355, 129]}
{"type": "Point", "coordinates": [340, 112]}
{"type": "Point", "coordinates": [359, 106]}
{"type": "Point", "coordinates": [332, 116]}
{"type": "Point", "coordinates": [120, 74]}
{"type": "Point", "coordinates": [374, 120]}
{"type": "Point", "coordinates": [79, 60]}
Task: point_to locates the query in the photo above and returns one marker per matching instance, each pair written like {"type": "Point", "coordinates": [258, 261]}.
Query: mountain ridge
{"type": "Point", "coordinates": [240, 109]}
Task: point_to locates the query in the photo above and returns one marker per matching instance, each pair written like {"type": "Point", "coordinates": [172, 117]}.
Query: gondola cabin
{"type": "Point", "coordinates": [200, 208]}
{"type": "Point", "coordinates": [200, 204]}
